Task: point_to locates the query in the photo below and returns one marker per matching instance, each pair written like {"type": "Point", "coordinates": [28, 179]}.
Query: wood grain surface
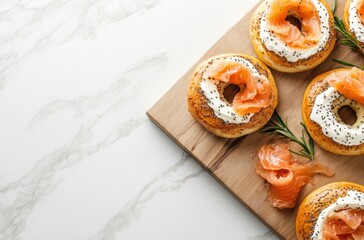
{"type": "Point", "coordinates": [231, 161]}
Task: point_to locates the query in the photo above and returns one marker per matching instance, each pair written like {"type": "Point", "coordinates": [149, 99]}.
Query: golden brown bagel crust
{"type": "Point", "coordinates": [318, 200]}
{"type": "Point", "coordinates": [205, 115]}
{"type": "Point", "coordinates": [317, 86]}
{"type": "Point", "coordinates": [280, 63]}
{"type": "Point", "coordinates": [346, 22]}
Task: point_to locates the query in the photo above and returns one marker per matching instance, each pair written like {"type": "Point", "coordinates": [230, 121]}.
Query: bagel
{"type": "Point", "coordinates": [354, 20]}
{"type": "Point", "coordinates": [252, 106]}
{"type": "Point", "coordinates": [293, 47]}
{"type": "Point", "coordinates": [321, 213]}
{"type": "Point", "coordinates": [320, 112]}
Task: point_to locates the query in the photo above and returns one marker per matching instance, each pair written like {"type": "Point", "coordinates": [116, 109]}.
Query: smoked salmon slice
{"type": "Point", "coordinates": [302, 10]}
{"type": "Point", "coordinates": [361, 11]}
{"type": "Point", "coordinates": [349, 83]}
{"type": "Point", "coordinates": [345, 224]}
{"type": "Point", "coordinates": [284, 174]}
{"type": "Point", "coordinates": [255, 92]}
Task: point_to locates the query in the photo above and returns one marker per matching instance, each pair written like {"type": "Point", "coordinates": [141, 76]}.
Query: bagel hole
{"type": "Point", "coordinates": [294, 21]}
{"type": "Point", "coordinates": [347, 115]}
{"type": "Point", "coordinates": [230, 91]}
{"type": "Point", "coordinates": [282, 173]}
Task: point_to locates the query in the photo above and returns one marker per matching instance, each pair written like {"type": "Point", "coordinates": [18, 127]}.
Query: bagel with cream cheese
{"type": "Point", "coordinates": [334, 211]}
{"type": "Point", "coordinates": [248, 110]}
{"type": "Point", "coordinates": [322, 101]}
{"type": "Point", "coordinates": [293, 35]}
{"type": "Point", "coordinates": [354, 20]}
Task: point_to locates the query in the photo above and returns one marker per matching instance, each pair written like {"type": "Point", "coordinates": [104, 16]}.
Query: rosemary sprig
{"type": "Point", "coordinates": [347, 63]}
{"type": "Point", "coordinates": [278, 126]}
{"type": "Point", "coordinates": [334, 7]}
{"type": "Point", "coordinates": [347, 38]}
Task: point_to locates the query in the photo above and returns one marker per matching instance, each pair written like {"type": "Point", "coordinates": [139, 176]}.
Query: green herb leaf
{"type": "Point", "coordinates": [342, 62]}
{"type": "Point", "coordinates": [347, 38]}
{"type": "Point", "coordinates": [334, 7]}
{"type": "Point", "coordinates": [279, 127]}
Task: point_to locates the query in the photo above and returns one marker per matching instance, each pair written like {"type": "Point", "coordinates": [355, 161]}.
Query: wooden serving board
{"type": "Point", "coordinates": [230, 161]}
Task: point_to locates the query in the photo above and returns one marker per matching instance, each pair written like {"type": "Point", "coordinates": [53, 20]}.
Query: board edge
{"type": "Point", "coordinates": [214, 176]}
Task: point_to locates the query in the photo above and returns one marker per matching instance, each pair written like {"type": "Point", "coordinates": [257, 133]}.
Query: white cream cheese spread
{"type": "Point", "coordinates": [222, 109]}
{"type": "Point", "coordinates": [325, 114]}
{"type": "Point", "coordinates": [353, 199]}
{"type": "Point", "coordinates": [273, 43]}
{"type": "Point", "coordinates": [356, 26]}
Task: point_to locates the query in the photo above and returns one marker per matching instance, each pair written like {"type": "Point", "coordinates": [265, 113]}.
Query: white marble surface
{"type": "Point", "coordinates": [78, 157]}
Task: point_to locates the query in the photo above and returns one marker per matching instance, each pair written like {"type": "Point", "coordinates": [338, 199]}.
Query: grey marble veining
{"type": "Point", "coordinates": [167, 181]}
{"type": "Point", "coordinates": [111, 99]}
{"type": "Point", "coordinates": [40, 180]}
{"type": "Point", "coordinates": [78, 157]}
{"type": "Point", "coordinates": [32, 26]}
